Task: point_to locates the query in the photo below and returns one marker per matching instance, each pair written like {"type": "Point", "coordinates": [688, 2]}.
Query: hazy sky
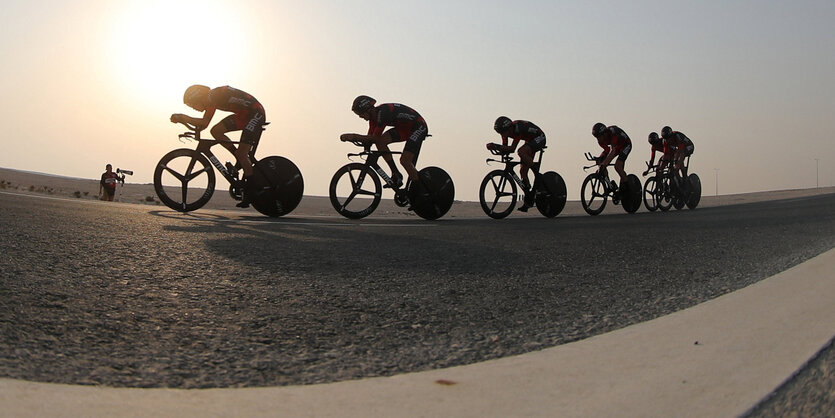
{"type": "Point", "coordinates": [91, 82]}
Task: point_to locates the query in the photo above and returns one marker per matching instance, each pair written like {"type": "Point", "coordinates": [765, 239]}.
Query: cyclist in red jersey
{"type": "Point", "coordinates": [248, 116]}
{"type": "Point", "coordinates": [681, 146]}
{"type": "Point", "coordinates": [534, 141]}
{"type": "Point", "coordinates": [659, 145]}
{"type": "Point", "coordinates": [615, 143]}
{"type": "Point", "coordinates": [406, 125]}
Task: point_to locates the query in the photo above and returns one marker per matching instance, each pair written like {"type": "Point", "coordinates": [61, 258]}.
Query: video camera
{"type": "Point", "coordinates": [126, 172]}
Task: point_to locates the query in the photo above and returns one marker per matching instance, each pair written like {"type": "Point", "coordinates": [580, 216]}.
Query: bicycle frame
{"type": "Point", "coordinates": [507, 160]}
{"type": "Point", "coordinates": [204, 147]}
{"type": "Point", "coordinates": [371, 160]}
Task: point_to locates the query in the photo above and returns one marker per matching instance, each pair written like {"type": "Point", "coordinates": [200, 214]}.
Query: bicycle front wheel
{"type": "Point", "coordinates": [593, 194]}
{"type": "Point", "coordinates": [355, 191]}
{"type": "Point", "coordinates": [497, 194]}
{"type": "Point", "coordinates": [650, 193]}
{"type": "Point", "coordinates": [184, 180]}
{"type": "Point", "coordinates": [664, 194]}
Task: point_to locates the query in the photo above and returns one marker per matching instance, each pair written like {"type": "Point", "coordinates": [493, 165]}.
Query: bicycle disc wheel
{"type": "Point", "coordinates": [184, 180]}
{"type": "Point", "coordinates": [632, 194]}
{"type": "Point", "coordinates": [550, 200]}
{"type": "Point", "coordinates": [433, 194]}
{"type": "Point", "coordinates": [278, 185]}
{"type": "Point", "coordinates": [695, 191]}
{"type": "Point", "coordinates": [355, 191]}
{"type": "Point", "coordinates": [497, 194]}
{"type": "Point", "coordinates": [593, 195]}
{"type": "Point", "coordinates": [650, 194]}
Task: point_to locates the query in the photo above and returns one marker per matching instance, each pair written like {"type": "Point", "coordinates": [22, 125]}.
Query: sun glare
{"type": "Point", "coordinates": [158, 48]}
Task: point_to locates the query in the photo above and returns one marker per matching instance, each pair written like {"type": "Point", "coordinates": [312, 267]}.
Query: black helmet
{"type": "Point", "coordinates": [666, 132]}
{"type": "Point", "coordinates": [598, 129]}
{"type": "Point", "coordinates": [362, 104]}
{"type": "Point", "coordinates": [502, 123]}
{"type": "Point", "coordinates": [653, 138]}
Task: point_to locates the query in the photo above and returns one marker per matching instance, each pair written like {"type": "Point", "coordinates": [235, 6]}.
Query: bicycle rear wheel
{"type": "Point", "coordinates": [497, 194]}
{"type": "Point", "coordinates": [631, 194]}
{"type": "Point", "coordinates": [355, 191]}
{"type": "Point", "coordinates": [550, 200]}
{"type": "Point", "coordinates": [278, 185]}
{"type": "Point", "coordinates": [184, 180]}
{"type": "Point", "coordinates": [593, 194]}
{"type": "Point", "coordinates": [695, 191]}
{"type": "Point", "coordinates": [433, 194]}
{"type": "Point", "coordinates": [650, 194]}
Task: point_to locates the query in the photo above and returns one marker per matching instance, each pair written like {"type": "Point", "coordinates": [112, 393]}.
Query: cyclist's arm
{"type": "Point", "coordinates": [199, 123]}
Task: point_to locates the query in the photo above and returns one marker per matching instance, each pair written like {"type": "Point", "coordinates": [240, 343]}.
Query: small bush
{"type": "Point", "coordinates": [77, 194]}
{"type": "Point", "coordinates": [149, 198]}
{"type": "Point", "coordinates": [31, 188]}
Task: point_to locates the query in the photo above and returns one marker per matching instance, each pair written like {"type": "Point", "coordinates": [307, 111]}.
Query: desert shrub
{"type": "Point", "coordinates": [31, 188]}
{"type": "Point", "coordinates": [2, 184]}
{"type": "Point", "coordinates": [77, 194]}
{"type": "Point", "coordinates": [149, 198]}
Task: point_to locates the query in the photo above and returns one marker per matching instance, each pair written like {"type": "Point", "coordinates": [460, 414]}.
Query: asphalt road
{"type": "Point", "coordinates": [131, 296]}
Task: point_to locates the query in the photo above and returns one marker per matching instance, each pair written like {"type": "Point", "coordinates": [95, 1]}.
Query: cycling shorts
{"type": "Point", "coordinates": [413, 136]}
{"type": "Point", "coordinates": [250, 124]}
{"type": "Point", "coordinates": [536, 144]}
{"type": "Point", "coordinates": [624, 153]}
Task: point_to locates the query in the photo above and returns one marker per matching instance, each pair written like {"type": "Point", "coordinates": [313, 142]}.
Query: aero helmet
{"type": "Point", "coordinates": [194, 93]}
{"type": "Point", "coordinates": [362, 104]}
{"type": "Point", "coordinates": [598, 129]}
{"type": "Point", "coordinates": [666, 132]}
{"type": "Point", "coordinates": [502, 123]}
{"type": "Point", "coordinates": [653, 138]}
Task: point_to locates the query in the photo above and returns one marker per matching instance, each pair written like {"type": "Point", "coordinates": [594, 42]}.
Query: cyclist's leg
{"type": "Point", "coordinates": [388, 137]}
{"type": "Point", "coordinates": [219, 132]}
{"type": "Point", "coordinates": [250, 137]}
{"type": "Point", "coordinates": [621, 161]}
{"type": "Point", "coordinates": [411, 151]}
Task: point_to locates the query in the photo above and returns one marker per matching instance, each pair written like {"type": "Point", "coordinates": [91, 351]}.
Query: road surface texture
{"type": "Point", "coordinates": [131, 296]}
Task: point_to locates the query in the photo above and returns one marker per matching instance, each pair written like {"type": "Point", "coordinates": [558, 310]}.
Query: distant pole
{"type": "Point", "coordinates": [717, 181]}
{"type": "Point", "coordinates": [817, 183]}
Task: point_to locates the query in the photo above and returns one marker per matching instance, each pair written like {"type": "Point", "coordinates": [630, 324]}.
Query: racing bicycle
{"type": "Point", "coordinates": [355, 189]}
{"type": "Point", "coordinates": [598, 188]}
{"type": "Point", "coordinates": [498, 192]}
{"type": "Point", "coordinates": [184, 178]}
{"type": "Point", "coordinates": [669, 190]}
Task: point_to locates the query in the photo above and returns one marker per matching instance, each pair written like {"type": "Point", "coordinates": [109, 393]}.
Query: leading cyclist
{"type": "Point", "coordinates": [248, 116]}
{"type": "Point", "coordinates": [534, 140]}
{"type": "Point", "coordinates": [407, 125]}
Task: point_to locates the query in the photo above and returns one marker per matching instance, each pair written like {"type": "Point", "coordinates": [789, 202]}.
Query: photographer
{"type": "Point", "coordinates": [107, 185]}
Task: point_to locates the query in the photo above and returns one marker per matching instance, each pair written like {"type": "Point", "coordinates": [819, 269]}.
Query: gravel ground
{"type": "Point", "coordinates": [128, 296]}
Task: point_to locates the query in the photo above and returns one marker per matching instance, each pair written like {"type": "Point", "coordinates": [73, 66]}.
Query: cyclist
{"type": "Point", "coordinates": [534, 140]}
{"type": "Point", "coordinates": [406, 125]}
{"type": "Point", "coordinates": [680, 145]}
{"type": "Point", "coordinates": [659, 145]}
{"type": "Point", "coordinates": [248, 116]}
{"type": "Point", "coordinates": [615, 143]}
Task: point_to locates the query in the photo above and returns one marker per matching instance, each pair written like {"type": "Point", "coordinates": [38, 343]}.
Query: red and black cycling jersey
{"type": "Point", "coordinates": [403, 118]}
{"type": "Point", "coordinates": [233, 100]}
{"type": "Point", "coordinates": [615, 138]}
{"type": "Point", "coordinates": [678, 141]}
{"type": "Point", "coordinates": [666, 151]}
{"type": "Point", "coordinates": [523, 130]}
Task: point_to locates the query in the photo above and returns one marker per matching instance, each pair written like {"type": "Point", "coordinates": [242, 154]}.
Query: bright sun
{"type": "Point", "coordinates": [158, 48]}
